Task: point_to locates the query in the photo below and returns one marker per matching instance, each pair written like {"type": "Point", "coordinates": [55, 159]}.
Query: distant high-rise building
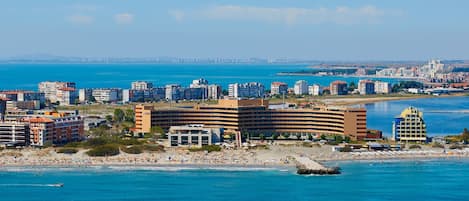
{"type": "Point", "coordinates": [409, 126]}
{"type": "Point", "coordinates": [301, 87]}
{"type": "Point", "coordinates": [278, 88]}
{"type": "Point", "coordinates": [214, 91]}
{"type": "Point", "coordinates": [199, 83]}
{"type": "Point", "coordinates": [19, 98]}
{"type": "Point", "coordinates": [85, 95]}
{"type": "Point", "coordinates": [67, 96]}
{"type": "Point", "coordinates": [338, 88]}
{"type": "Point", "coordinates": [173, 92]}
{"type": "Point", "coordinates": [246, 90]}
{"type": "Point", "coordinates": [52, 88]}
{"type": "Point", "coordinates": [431, 69]}
{"type": "Point", "coordinates": [196, 93]}
{"type": "Point", "coordinates": [382, 87]}
{"type": "Point", "coordinates": [3, 109]}
{"type": "Point", "coordinates": [141, 85]}
{"type": "Point", "coordinates": [143, 95]}
{"type": "Point", "coordinates": [314, 90]}
{"type": "Point", "coordinates": [366, 87]}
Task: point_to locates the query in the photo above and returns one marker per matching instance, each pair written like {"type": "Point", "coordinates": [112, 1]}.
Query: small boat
{"type": "Point", "coordinates": [58, 185]}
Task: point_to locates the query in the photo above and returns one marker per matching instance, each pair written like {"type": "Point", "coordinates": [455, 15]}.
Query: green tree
{"type": "Point", "coordinates": [158, 131]}
{"type": "Point", "coordinates": [323, 137]}
{"type": "Point", "coordinates": [352, 86]}
{"type": "Point", "coordinates": [129, 115]}
{"type": "Point", "coordinates": [224, 92]}
{"type": "Point", "coordinates": [119, 115]}
{"type": "Point", "coordinates": [298, 136]}
{"type": "Point", "coordinates": [347, 139]}
{"type": "Point", "coordinates": [326, 92]}
{"type": "Point", "coordinates": [310, 137]}
{"type": "Point", "coordinates": [465, 135]}
{"type": "Point", "coordinates": [262, 136]}
{"type": "Point", "coordinates": [109, 118]}
{"type": "Point", "coordinates": [338, 138]}
{"type": "Point", "coordinates": [275, 136]}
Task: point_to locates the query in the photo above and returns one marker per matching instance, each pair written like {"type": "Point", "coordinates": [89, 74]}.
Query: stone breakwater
{"type": "Point", "coordinates": [307, 166]}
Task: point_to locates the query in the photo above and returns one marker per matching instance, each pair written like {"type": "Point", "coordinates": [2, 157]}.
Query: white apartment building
{"type": "Point", "coordinates": [67, 96]}
{"type": "Point", "coordinates": [14, 133]}
{"type": "Point", "coordinates": [173, 92]}
{"type": "Point", "coordinates": [141, 85]}
{"type": "Point", "coordinates": [382, 87]}
{"type": "Point", "coordinates": [104, 95]}
{"type": "Point", "coordinates": [51, 88]}
{"type": "Point", "coordinates": [366, 87]}
{"type": "Point", "coordinates": [214, 91]}
{"type": "Point", "coordinates": [301, 87]}
{"type": "Point", "coordinates": [85, 95]}
{"type": "Point", "coordinates": [314, 90]}
{"type": "Point", "coordinates": [246, 90]}
{"type": "Point", "coordinates": [278, 88]}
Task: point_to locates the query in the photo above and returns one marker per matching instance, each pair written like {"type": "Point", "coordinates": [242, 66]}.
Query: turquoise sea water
{"type": "Point", "coordinates": [408, 180]}
{"type": "Point", "coordinates": [27, 76]}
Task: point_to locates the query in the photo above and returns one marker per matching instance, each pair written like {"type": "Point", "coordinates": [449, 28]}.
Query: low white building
{"type": "Point", "coordinates": [193, 135]}
{"type": "Point", "coordinates": [415, 91]}
{"type": "Point", "coordinates": [14, 134]}
{"type": "Point", "coordinates": [106, 95]}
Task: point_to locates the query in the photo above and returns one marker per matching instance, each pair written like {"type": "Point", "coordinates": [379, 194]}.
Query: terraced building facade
{"type": "Point", "coordinates": [255, 117]}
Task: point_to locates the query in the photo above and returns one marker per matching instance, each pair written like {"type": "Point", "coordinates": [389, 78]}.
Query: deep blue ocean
{"type": "Point", "coordinates": [408, 180]}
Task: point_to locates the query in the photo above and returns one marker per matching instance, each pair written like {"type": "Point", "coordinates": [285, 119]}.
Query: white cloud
{"type": "Point", "coordinates": [80, 19]}
{"type": "Point", "coordinates": [288, 15]}
{"type": "Point", "coordinates": [178, 15]}
{"type": "Point", "coordinates": [124, 18]}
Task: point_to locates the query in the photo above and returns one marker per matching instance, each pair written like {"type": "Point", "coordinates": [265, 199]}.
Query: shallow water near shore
{"type": "Point", "coordinates": [364, 180]}
{"type": "Point", "coordinates": [443, 115]}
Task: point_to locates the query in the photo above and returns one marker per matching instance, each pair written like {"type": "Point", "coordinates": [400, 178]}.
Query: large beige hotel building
{"type": "Point", "coordinates": [255, 116]}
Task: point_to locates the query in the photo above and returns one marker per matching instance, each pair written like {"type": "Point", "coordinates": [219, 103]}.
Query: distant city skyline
{"type": "Point", "coordinates": [295, 29]}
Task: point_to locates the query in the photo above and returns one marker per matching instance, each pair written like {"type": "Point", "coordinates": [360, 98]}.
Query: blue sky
{"type": "Point", "coordinates": [309, 29]}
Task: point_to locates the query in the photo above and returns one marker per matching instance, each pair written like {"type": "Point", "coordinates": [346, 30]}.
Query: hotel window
{"type": "Point", "coordinates": [205, 140]}
{"type": "Point", "coordinates": [184, 140]}
{"type": "Point", "coordinates": [194, 139]}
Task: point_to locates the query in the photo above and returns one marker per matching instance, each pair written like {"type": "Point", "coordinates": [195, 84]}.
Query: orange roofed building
{"type": "Point", "coordinates": [54, 129]}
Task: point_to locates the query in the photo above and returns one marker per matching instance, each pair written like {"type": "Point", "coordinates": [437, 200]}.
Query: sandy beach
{"type": "Point", "coordinates": [275, 156]}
